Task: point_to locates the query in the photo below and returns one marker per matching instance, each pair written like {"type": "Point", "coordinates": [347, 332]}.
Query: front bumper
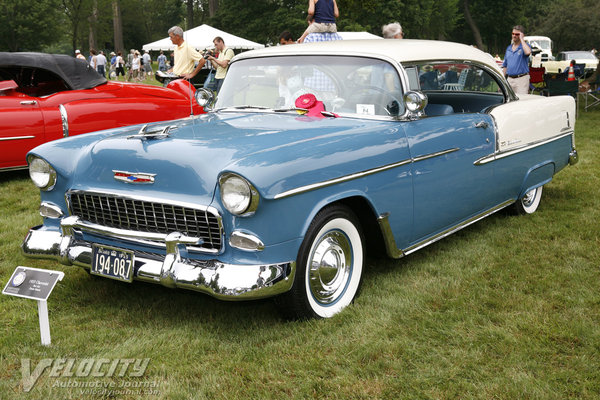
{"type": "Point", "coordinates": [213, 277]}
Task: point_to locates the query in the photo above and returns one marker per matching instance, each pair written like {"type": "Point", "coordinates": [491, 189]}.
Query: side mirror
{"type": "Point", "coordinates": [205, 98]}
{"type": "Point", "coordinates": [415, 103]}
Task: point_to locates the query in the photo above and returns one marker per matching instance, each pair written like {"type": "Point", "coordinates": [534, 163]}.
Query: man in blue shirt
{"type": "Point", "coordinates": [516, 62]}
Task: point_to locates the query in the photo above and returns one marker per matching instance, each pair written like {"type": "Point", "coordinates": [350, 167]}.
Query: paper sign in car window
{"type": "Point", "coordinates": [365, 109]}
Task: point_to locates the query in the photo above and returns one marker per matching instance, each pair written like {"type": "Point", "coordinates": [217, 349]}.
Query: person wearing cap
{"type": "Point", "coordinates": [135, 67]}
{"type": "Point", "coordinates": [79, 55]}
{"type": "Point", "coordinates": [147, 63]}
{"type": "Point", "coordinates": [516, 61]}
{"type": "Point", "coordinates": [162, 61]}
{"type": "Point", "coordinates": [113, 65]}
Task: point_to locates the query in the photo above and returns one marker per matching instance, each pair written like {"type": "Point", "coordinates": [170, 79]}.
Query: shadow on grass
{"type": "Point", "coordinates": [139, 303]}
{"type": "Point", "coordinates": [9, 176]}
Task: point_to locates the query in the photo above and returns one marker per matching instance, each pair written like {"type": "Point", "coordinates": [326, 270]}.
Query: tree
{"type": "Point", "coordinates": [472, 25]}
{"type": "Point", "coordinates": [75, 11]}
{"type": "Point", "coordinates": [572, 25]}
{"type": "Point", "coordinates": [20, 23]}
{"type": "Point", "coordinates": [118, 26]}
{"type": "Point", "coordinates": [93, 22]}
{"type": "Point", "coordinates": [190, 13]}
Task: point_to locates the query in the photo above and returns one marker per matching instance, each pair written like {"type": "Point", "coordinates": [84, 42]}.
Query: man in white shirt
{"type": "Point", "coordinates": [101, 64]}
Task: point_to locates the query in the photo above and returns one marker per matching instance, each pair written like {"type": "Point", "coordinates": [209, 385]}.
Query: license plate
{"type": "Point", "coordinates": [113, 263]}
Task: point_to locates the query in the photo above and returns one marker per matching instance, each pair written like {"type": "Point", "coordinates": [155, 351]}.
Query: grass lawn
{"type": "Point", "coordinates": [508, 308]}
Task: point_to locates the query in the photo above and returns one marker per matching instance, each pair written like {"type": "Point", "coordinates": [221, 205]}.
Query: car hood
{"type": "Point", "coordinates": [276, 152]}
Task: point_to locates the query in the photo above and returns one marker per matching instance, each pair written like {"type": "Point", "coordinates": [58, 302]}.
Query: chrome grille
{"type": "Point", "coordinates": [147, 216]}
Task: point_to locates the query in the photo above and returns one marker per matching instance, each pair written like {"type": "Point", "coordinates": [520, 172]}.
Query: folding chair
{"type": "Point", "coordinates": [593, 93]}
{"type": "Point", "coordinates": [559, 87]}
{"type": "Point", "coordinates": [536, 79]}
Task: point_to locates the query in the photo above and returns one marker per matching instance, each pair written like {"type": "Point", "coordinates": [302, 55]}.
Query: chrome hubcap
{"type": "Point", "coordinates": [330, 267]}
{"type": "Point", "coordinates": [528, 198]}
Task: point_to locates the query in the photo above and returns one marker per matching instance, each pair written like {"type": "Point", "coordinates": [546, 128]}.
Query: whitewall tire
{"type": "Point", "coordinates": [329, 266]}
{"type": "Point", "coordinates": [529, 203]}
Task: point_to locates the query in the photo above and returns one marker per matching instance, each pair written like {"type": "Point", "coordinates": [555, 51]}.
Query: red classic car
{"type": "Point", "coordinates": [44, 97]}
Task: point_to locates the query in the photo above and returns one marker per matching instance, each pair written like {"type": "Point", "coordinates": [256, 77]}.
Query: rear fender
{"type": "Point", "coordinates": [537, 176]}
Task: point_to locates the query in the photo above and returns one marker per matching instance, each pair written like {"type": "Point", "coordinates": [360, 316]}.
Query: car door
{"type": "Point", "coordinates": [21, 128]}
{"type": "Point", "coordinates": [450, 186]}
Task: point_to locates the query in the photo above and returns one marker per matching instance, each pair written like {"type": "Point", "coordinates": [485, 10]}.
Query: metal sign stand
{"type": "Point", "coordinates": [44, 322]}
{"type": "Point", "coordinates": [35, 284]}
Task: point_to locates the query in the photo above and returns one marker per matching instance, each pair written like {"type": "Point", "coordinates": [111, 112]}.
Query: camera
{"type": "Point", "coordinates": [208, 53]}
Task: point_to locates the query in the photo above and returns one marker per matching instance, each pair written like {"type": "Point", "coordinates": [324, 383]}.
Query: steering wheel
{"type": "Point", "coordinates": [392, 107]}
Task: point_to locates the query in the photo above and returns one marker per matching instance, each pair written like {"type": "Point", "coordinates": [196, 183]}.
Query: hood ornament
{"type": "Point", "coordinates": [156, 132]}
{"type": "Point", "coordinates": [134, 177]}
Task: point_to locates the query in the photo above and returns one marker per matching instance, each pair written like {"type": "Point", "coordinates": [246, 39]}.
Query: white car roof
{"type": "Point", "coordinates": [403, 51]}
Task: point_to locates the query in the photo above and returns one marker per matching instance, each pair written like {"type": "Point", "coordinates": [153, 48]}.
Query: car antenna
{"type": "Point", "coordinates": [189, 81]}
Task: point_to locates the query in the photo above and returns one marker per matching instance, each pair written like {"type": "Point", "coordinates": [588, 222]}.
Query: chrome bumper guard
{"type": "Point", "coordinates": [573, 157]}
{"type": "Point", "coordinates": [213, 277]}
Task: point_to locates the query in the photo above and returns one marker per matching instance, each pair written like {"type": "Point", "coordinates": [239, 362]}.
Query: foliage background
{"type": "Point", "coordinates": [61, 26]}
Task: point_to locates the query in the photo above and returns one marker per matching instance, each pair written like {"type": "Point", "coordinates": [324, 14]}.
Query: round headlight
{"type": "Point", "coordinates": [41, 173]}
{"type": "Point", "coordinates": [238, 195]}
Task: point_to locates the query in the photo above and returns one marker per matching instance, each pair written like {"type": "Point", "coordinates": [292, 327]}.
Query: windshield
{"type": "Point", "coordinates": [541, 44]}
{"type": "Point", "coordinates": [345, 85]}
{"type": "Point", "coordinates": [583, 55]}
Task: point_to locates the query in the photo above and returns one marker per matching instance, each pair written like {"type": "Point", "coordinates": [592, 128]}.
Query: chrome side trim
{"type": "Point", "coordinates": [346, 178]}
{"type": "Point", "coordinates": [390, 243]}
{"type": "Point", "coordinates": [213, 277]}
{"type": "Point", "coordinates": [16, 138]}
{"type": "Point", "coordinates": [456, 228]}
{"type": "Point", "coordinates": [14, 168]}
{"type": "Point", "coordinates": [318, 185]}
{"type": "Point", "coordinates": [506, 153]}
{"type": "Point", "coordinates": [65, 120]}
{"type": "Point", "coordinates": [436, 154]}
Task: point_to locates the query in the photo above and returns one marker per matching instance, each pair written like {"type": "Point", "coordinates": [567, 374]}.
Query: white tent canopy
{"type": "Point", "coordinates": [201, 37]}
{"type": "Point", "coordinates": [358, 35]}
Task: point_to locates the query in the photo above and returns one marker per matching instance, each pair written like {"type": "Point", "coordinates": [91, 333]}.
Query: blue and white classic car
{"type": "Point", "coordinates": [310, 156]}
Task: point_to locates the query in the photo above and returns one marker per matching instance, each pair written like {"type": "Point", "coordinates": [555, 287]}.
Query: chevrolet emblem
{"type": "Point", "coordinates": [134, 177]}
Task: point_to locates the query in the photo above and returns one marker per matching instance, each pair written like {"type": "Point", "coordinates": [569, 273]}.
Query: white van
{"type": "Point", "coordinates": [543, 43]}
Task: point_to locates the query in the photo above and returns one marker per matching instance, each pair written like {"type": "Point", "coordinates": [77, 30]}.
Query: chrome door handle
{"type": "Point", "coordinates": [28, 102]}
{"type": "Point", "coordinates": [481, 124]}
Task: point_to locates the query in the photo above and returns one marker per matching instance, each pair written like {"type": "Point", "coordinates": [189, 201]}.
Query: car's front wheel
{"type": "Point", "coordinates": [529, 203]}
{"type": "Point", "coordinates": [329, 266]}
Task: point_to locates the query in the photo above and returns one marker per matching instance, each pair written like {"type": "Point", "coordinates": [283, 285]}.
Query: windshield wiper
{"type": "Point", "coordinates": [241, 108]}
{"type": "Point", "coordinates": [249, 106]}
{"type": "Point", "coordinates": [290, 109]}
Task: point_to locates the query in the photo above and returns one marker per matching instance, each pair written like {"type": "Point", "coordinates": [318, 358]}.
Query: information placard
{"type": "Point", "coordinates": [35, 284]}
{"type": "Point", "coordinates": [32, 283]}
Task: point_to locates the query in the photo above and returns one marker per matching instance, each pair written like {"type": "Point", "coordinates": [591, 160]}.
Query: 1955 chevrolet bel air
{"type": "Point", "coordinates": [310, 155]}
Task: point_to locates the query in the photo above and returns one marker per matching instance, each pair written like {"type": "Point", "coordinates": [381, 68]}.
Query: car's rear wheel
{"type": "Point", "coordinates": [329, 266]}
{"type": "Point", "coordinates": [529, 203]}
